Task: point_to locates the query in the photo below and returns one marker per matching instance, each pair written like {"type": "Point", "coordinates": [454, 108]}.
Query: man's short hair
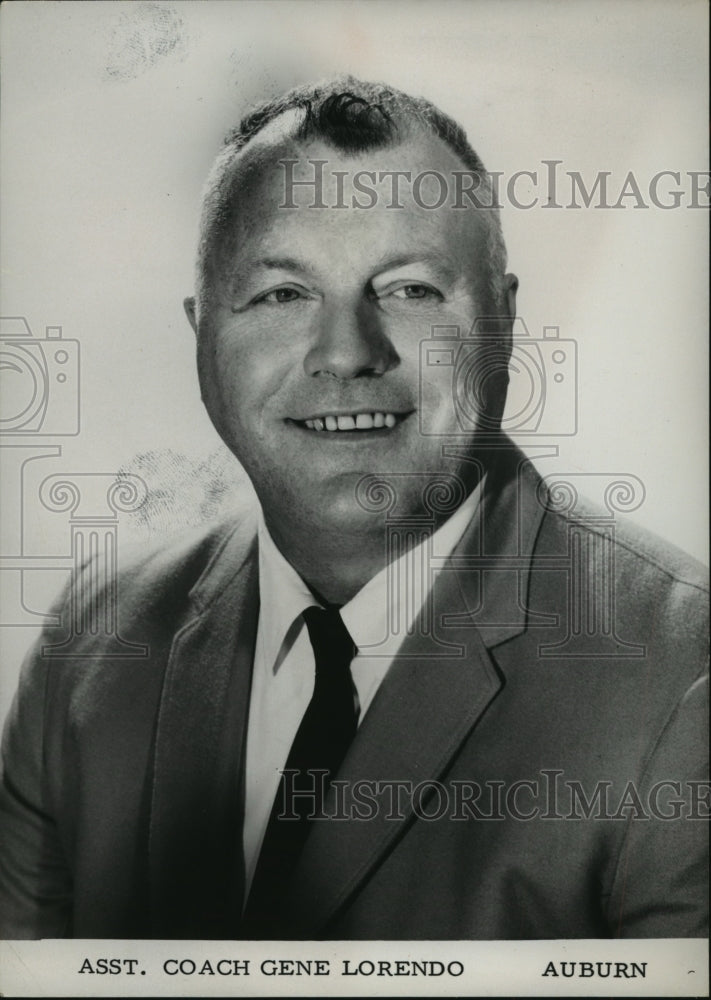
{"type": "Point", "coordinates": [352, 116]}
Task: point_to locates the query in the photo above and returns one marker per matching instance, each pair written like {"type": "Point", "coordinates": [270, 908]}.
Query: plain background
{"type": "Point", "coordinates": [112, 113]}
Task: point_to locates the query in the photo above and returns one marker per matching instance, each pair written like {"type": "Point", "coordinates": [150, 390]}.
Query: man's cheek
{"type": "Point", "coordinates": [437, 410]}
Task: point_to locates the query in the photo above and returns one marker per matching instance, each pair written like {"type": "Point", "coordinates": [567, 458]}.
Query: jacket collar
{"type": "Point", "coordinates": [492, 563]}
{"type": "Point", "coordinates": [231, 556]}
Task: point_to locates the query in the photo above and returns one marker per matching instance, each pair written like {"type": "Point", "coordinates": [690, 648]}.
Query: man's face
{"type": "Point", "coordinates": [309, 344]}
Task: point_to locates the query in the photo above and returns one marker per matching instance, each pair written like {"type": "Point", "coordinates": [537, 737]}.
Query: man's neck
{"type": "Point", "coordinates": [337, 561]}
{"type": "Point", "coordinates": [334, 563]}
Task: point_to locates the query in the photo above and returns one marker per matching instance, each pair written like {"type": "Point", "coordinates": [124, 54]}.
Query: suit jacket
{"type": "Point", "coordinates": [547, 739]}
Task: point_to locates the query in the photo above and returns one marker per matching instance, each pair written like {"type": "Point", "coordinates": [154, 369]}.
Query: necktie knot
{"type": "Point", "coordinates": [332, 644]}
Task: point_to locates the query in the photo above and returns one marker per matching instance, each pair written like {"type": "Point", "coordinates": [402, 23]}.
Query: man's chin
{"type": "Point", "coordinates": [362, 504]}
{"type": "Point", "coordinates": [351, 502]}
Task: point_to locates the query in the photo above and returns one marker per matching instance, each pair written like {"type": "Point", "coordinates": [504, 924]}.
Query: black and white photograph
{"type": "Point", "coordinates": [353, 440]}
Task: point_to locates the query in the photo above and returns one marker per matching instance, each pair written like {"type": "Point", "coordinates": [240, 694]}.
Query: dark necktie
{"type": "Point", "coordinates": [322, 739]}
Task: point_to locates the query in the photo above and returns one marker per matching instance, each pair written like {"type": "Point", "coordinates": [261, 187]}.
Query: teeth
{"type": "Point", "coordinates": [360, 422]}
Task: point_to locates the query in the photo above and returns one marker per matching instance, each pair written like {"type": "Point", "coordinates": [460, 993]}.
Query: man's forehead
{"type": "Point", "coordinates": [266, 176]}
{"type": "Point", "coordinates": [413, 149]}
{"type": "Point", "coordinates": [276, 138]}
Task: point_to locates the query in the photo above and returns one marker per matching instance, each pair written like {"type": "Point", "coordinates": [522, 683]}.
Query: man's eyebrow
{"type": "Point", "coordinates": [442, 265]}
{"type": "Point", "coordinates": [277, 264]}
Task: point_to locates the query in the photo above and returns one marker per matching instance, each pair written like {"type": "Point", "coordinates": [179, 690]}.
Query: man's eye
{"type": "Point", "coordinates": [280, 295]}
{"type": "Point", "coordinates": [416, 291]}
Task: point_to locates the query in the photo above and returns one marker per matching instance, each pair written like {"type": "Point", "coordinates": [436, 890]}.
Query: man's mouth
{"type": "Point", "coordinates": [376, 420]}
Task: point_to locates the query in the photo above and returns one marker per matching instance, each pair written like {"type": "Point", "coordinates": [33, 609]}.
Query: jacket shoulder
{"type": "Point", "coordinates": [647, 551]}
{"type": "Point", "coordinates": [178, 563]}
{"type": "Point", "coordinates": [147, 592]}
{"type": "Point", "coordinates": [654, 580]}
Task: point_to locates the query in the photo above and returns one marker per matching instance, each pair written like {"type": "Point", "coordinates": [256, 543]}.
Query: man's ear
{"type": "Point", "coordinates": [511, 287]}
{"type": "Point", "coordinates": [189, 307]}
{"type": "Point", "coordinates": [508, 312]}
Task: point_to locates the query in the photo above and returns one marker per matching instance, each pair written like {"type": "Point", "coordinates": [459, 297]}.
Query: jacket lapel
{"type": "Point", "coordinates": [195, 838]}
{"type": "Point", "coordinates": [426, 707]}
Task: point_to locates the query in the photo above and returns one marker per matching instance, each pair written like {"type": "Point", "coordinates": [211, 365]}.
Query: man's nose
{"type": "Point", "coordinates": [351, 342]}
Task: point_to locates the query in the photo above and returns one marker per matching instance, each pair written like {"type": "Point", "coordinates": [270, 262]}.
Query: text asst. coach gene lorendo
{"type": "Point", "coordinates": [419, 692]}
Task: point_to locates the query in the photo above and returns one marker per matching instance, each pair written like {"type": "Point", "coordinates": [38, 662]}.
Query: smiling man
{"type": "Point", "coordinates": [310, 320]}
{"type": "Point", "coordinates": [369, 710]}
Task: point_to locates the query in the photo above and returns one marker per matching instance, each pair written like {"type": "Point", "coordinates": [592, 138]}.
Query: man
{"type": "Point", "coordinates": [494, 770]}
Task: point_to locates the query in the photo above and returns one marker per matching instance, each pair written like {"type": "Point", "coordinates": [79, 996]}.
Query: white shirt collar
{"type": "Point", "coordinates": [283, 595]}
{"type": "Point", "coordinates": [400, 588]}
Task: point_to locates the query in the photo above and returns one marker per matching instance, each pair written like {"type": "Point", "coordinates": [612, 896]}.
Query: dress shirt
{"type": "Point", "coordinates": [378, 618]}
